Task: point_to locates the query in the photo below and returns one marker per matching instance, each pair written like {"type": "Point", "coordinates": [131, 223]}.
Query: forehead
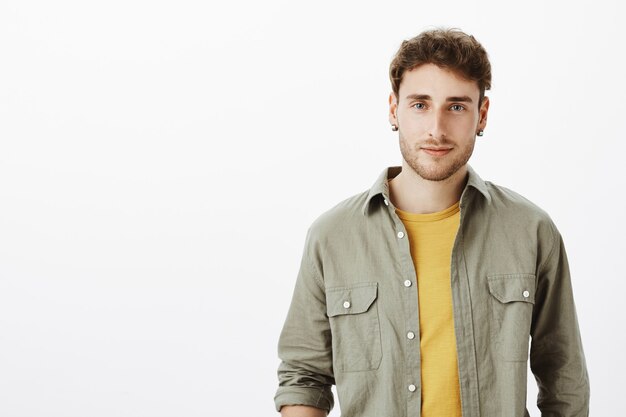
{"type": "Point", "coordinates": [435, 81]}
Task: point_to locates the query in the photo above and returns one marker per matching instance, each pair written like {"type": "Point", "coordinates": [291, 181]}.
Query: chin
{"type": "Point", "coordinates": [437, 171]}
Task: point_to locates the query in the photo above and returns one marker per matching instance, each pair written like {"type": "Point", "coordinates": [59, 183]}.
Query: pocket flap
{"type": "Point", "coordinates": [353, 299]}
{"type": "Point", "coordinates": [512, 287]}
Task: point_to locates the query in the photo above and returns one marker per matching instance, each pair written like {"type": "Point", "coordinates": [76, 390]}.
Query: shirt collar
{"type": "Point", "coordinates": [381, 185]}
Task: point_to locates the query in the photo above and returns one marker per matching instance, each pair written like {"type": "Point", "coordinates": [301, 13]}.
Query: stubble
{"type": "Point", "coordinates": [435, 168]}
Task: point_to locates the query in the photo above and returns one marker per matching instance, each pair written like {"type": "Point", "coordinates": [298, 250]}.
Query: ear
{"type": "Point", "coordinates": [393, 108]}
{"type": "Point", "coordinates": [482, 113]}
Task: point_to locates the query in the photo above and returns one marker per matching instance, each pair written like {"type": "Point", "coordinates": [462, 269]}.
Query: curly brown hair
{"type": "Point", "coordinates": [448, 48]}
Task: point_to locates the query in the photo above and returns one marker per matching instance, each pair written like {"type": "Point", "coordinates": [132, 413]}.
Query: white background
{"type": "Point", "coordinates": [160, 163]}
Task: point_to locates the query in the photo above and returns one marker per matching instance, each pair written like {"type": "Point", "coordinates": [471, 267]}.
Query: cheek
{"type": "Point", "coordinates": [468, 126]}
{"type": "Point", "coordinates": [455, 125]}
{"type": "Point", "coordinates": [412, 122]}
{"type": "Point", "coordinates": [462, 125]}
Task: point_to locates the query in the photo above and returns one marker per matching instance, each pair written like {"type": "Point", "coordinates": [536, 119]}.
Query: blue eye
{"type": "Point", "coordinates": [458, 106]}
{"type": "Point", "coordinates": [419, 104]}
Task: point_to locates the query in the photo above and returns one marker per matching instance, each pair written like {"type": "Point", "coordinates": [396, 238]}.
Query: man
{"type": "Point", "coordinates": [423, 295]}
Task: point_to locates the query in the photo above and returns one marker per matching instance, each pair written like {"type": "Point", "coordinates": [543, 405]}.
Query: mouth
{"type": "Point", "coordinates": [437, 151]}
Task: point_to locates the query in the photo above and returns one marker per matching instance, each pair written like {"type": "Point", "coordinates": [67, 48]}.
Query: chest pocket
{"type": "Point", "coordinates": [512, 302]}
{"type": "Point", "coordinates": [355, 326]}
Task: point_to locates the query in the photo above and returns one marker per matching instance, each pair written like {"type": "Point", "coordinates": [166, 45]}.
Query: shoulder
{"type": "Point", "coordinates": [518, 211]}
{"type": "Point", "coordinates": [345, 214]}
{"type": "Point", "coordinates": [334, 230]}
{"type": "Point", "coordinates": [507, 201]}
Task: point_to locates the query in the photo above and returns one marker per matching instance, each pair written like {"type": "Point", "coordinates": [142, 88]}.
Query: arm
{"type": "Point", "coordinates": [302, 411]}
{"type": "Point", "coordinates": [305, 373]}
{"type": "Point", "coordinates": [556, 353]}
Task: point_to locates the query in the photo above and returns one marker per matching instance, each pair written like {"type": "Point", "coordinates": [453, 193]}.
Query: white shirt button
{"type": "Point", "coordinates": [525, 294]}
{"type": "Point", "coordinates": [410, 335]}
{"type": "Point", "coordinates": [407, 283]}
{"type": "Point", "coordinates": [386, 202]}
{"type": "Point", "coordinates": [412, 388]}
{"type": "Point", "coordinates": [400, 235]}
{"type": "Point", "coordinates": [346, 304]}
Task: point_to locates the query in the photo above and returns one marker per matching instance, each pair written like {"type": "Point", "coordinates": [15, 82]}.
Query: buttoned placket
{"type": "Point", "coordinates": [412, 365]}
{"type": "Point", "coordinates": [464, 332]}
{"type": "Point", "coordinates": [463, 323]}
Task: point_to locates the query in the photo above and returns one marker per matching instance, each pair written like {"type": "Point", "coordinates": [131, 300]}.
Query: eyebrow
{"type": "Point", "coordinates": [427, 97]}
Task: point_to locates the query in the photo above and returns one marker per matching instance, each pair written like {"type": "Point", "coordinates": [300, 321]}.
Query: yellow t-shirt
{"type": "Point", "coordinates": [431, 237]}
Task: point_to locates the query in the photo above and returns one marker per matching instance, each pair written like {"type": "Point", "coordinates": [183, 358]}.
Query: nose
{"type": "Point", "coordinates": [437, 128]}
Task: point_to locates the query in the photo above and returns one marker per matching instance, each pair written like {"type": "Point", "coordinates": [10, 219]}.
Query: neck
{"type": "Point", "coordinates": [410, 192]}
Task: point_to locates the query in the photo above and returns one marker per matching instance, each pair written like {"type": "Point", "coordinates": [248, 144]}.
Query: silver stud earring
{"type": "Point", "coordinates": [394, 128]}
{"type": "Point", "coordinates": [480, 132]}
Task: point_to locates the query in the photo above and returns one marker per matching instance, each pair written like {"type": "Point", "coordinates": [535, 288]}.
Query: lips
{"type": "Point", "coordinates": [437, 151]}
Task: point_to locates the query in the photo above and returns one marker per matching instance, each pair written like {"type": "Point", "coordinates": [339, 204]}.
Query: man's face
{"type": "Point", "coordinates": [437, 109]}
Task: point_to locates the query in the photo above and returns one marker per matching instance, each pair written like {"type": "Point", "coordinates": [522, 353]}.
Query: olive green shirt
{"type": "Point", "coordinates": [355, 301]}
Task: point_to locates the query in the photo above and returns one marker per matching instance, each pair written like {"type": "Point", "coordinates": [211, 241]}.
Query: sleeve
{"type": "Point", "coordinates": [557, 359]}
{"type": "Point", "coordinates": [305, 373]}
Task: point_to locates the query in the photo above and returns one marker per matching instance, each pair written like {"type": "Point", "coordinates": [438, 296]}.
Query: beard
{"type": "Point", "coordinates": [433, 168]}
